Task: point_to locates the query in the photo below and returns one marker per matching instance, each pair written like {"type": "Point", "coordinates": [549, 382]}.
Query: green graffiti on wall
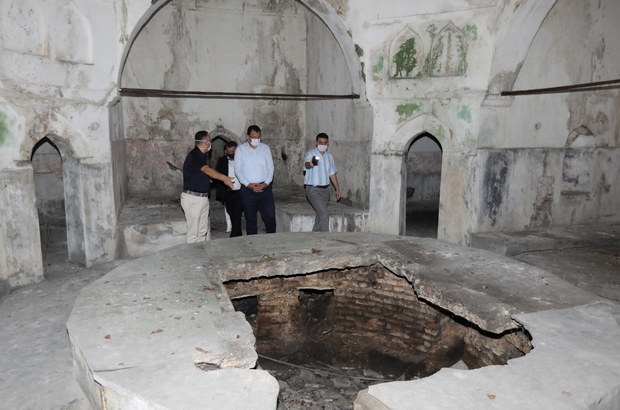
{"type": "Point", "coordinates": [471, 31]}
{"type": "Point", "coordinates": [377, 69]}
{"type": "Point", "coordinates": [404, 59]}
{"type": "Point", "coordinates": [431, 30]}
{"type": "Point", "coordinates": [406, 110]}
{"type": "Point", "coordinates": [4, 128]}
{"type": "Point", "coordinates": [464, 113]}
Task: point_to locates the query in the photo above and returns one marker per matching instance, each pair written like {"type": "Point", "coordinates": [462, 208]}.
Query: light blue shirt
{"type": "Point", "coordinates": [319, 175]}
{"type": "Point", "coordinates": [253, 165]}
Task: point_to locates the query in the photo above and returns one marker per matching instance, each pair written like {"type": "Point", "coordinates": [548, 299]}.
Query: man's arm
{"type": "Point", "coordinates": [216, 175]}
{"type": "Point", "coordinates": [308, 164]}
{"type": "Point", "coordinates": [239, 168]}
{"type": "Point", "coordinates": [270, 167]}
{"type": "Point", "coordinates": [334, 180]}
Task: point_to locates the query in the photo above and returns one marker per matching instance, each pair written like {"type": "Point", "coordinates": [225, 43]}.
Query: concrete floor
{"type": "Point", "coordinates": [36, 367]}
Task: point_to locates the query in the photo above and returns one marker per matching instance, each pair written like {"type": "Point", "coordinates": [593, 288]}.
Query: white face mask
{"type": "Point", "coordinates": [255, 141]}
{"type": "Point", "coordinates": [209, 149]}
{"type": "Point", "coordinates": [322, 148]}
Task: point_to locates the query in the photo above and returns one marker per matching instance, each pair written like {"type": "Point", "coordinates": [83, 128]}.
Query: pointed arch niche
{"type": "Point", "coordinates": [448, 53]}
{"type": "Point", "coordinates": [73, 147]}
{"type": "Point", "coordinates": [74, 38]}
{"type": "Point", "coordinates": [24, 27]}
{"type": "Point", "coordinates": [423, 181]}
{"type": "Point", "coordinates": [389, 198]}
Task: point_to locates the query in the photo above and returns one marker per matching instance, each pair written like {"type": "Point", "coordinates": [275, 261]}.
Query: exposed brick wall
{"type": "Point", "coordinates": [372, 309]}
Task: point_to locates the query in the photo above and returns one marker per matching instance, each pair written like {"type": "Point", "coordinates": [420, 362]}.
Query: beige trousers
{"type": "Point", "coordinates": [196, 210]}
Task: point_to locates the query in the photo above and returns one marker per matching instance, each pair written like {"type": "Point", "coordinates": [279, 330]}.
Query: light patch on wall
{"type": "Point", "coordinates": [5, 126]}
{"type": "Point", "coordinates": [464, 113]}
{"type": "Point", "coordinates": [406, 110]}
{"type": "Point", "coordinates": [377, 69]}
{"type": "Point", "coordinates": [471, 31]}
{"type": "Point", "coordinates": [470, 140]}
{"type": "Point", "coordinates": [431, 30]}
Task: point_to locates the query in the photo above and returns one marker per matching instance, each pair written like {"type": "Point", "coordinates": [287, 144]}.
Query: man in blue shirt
{"type": "Point", "coordinates": [196, 187]}
{"type": "Point", "coordinates": [254, 169]}
{"type": "Point", "coordinates": [320, 169]}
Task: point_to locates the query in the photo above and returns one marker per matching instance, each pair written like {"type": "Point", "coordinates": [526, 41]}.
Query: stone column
{"type": "Point", "coordinates": [387, 193]}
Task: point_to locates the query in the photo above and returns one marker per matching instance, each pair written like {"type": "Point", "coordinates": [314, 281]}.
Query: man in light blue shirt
{"type": "Point", "coordinates": [254, 169]}
{"type": "Point", "coordinates": [320, 170]}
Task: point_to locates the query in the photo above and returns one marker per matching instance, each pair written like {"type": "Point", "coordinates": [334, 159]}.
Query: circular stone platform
{"type": "Point", "coordinates": [160, 332]}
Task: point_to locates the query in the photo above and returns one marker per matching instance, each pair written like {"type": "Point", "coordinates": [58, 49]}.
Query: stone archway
{"type": "Point", "coordinates": [219, 137]}
{"type": "Point", "coordinates": [73, 147]}
{"type": "Point", "coordinates": [263, 77]}
{"type": "Point", "coordinates": [422, 181]}
{"type": "Point", "coordinates": [516, 20]}
{"type": "Point", "coordinates": [320, 8]}
{"type": "Point", "coordinates": [388, 185]}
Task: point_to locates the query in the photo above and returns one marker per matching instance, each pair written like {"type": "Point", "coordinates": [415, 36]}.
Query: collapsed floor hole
{"type": "Point", "coordinates": [358, 325]}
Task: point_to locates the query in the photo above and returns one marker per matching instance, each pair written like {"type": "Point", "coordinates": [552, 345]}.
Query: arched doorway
{"type": "Point", "coordinates": [48, 181]}
{"type": "Point", "coordinates": [423, 181]}
{"type": "Point", "coordinates": [69, 148]}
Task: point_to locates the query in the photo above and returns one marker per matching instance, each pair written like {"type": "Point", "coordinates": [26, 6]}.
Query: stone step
{"type": "Point", "coordinates": [511, 243]}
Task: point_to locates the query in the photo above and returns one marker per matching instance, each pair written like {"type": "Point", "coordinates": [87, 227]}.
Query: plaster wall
{"type": "Point", "coordinates": [448, 107]}
{"type": "Point", "coordinates": [57, 71]}
{"type": "Point", "coordinates": [348, 122]}
{"type": "Point", "coordinates": [251, 47]}
{"type": "Point", "coordinates": [19, 226]}
{"type": "Point", "coordinates": [552, 159]}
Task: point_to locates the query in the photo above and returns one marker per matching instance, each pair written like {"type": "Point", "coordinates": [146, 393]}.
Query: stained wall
{"type": "Point", "coordinates": [551, 159]}
{"type": "Point", "coordinates": [438, 67]}
{"type": "Point", "coordinates": [57, 74]}
{"type": "Point", "coordinates": [225, 47]}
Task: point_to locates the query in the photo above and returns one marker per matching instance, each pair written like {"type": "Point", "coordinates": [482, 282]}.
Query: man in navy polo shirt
{"type": "Point", "coordinates": [196, 186]}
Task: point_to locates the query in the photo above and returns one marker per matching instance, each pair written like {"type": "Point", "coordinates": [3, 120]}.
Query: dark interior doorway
{"type": "Point", "coordinates": [423, 181]}
{"type": "Point", "coordinates": [48, 179]}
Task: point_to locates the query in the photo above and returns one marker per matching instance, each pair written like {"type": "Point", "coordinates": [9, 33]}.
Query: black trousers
{"type": "Point", "coordinates": [234, 208]}
{"type": "Point", "coordinates": [258, 201]}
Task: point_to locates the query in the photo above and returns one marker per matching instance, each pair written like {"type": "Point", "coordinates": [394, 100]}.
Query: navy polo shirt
{"type": "Point", "coordinates": [193, 178]}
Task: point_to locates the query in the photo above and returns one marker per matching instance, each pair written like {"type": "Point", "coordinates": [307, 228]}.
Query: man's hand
{"type": "Point", "coordinates": [337, 194]}
{"type": "Point", "coordinates": [257, 187]}
{"type": "Point", "coordinates": [228, 181]}
{"type": "Point", "coordinates": [309, 165]}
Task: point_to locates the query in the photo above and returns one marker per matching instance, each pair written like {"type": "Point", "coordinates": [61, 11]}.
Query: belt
{"type": "Point", "coordinates": [187, 191]}
{"type": "Point", "coordinates": [319, 186]}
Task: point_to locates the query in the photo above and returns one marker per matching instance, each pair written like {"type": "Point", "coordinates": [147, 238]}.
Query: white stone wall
{"type": "Point", "coordinates": [227, 47]}
{"type": "Point", "coordinates": [58, 64]}
{"type": "Point", "coordinates": [507, 163]}
{"type": "Point", "coordinates": [552, 159]}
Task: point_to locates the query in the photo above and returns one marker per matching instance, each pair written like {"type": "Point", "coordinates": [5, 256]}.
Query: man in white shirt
{"type": "Point", "coordinates": [230, 197]}
{"type": "Point", "coordinates": [254, 170]}
{"type": "Point", "coordinates": [319, 170]}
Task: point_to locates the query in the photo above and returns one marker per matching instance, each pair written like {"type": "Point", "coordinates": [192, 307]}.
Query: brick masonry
{"type": "Point", "coordinates": [366, 308]}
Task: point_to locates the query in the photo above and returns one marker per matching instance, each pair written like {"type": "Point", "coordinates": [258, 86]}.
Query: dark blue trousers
{"type": "Point", "coordinates": [254, 202]}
